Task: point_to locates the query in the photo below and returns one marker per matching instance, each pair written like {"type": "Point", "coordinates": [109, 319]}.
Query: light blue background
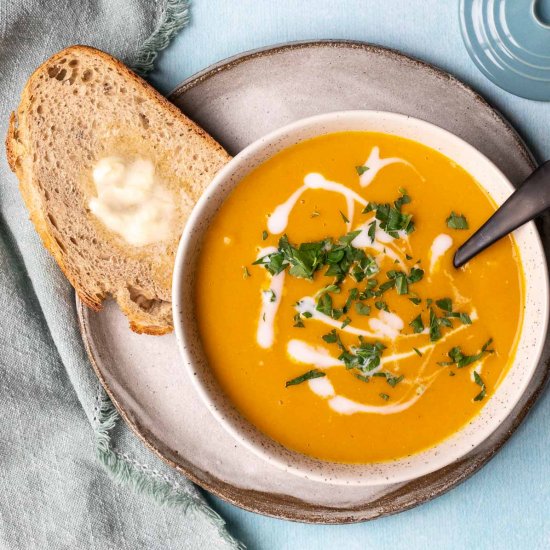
{"type": "Point", "coordinates": [507, 503]}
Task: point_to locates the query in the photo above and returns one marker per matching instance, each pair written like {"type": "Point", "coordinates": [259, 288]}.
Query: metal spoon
{"type": "Point", "coordinates": [528, 201]}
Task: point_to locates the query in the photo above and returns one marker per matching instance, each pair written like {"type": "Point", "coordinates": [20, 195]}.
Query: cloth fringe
{"type": "Point", "coordinates": [174, 17]}
{"type": "Point", "coordinates": [123, 471]}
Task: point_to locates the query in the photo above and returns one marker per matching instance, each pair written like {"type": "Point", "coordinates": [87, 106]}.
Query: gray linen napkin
{"type": "Point", "coordinates": [59, 435]}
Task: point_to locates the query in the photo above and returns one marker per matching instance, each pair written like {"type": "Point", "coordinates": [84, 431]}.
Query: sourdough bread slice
{"type": "Point", "coordinates": [82, 106]}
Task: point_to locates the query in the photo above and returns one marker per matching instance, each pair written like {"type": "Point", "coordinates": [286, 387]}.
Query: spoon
{"type": "Point", "coordinates": [528, 201]}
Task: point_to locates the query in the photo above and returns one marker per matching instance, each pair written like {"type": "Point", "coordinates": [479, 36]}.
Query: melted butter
{"type": "Point", "coordinates": [131, 201]}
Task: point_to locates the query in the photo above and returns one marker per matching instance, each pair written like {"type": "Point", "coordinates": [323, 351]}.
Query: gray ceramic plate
{"type": "Point", "coordinates": [237, 101]}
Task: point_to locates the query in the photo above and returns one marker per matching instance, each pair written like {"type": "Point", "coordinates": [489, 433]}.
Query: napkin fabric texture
{"type": "Point", "coordinates": [61, 441]}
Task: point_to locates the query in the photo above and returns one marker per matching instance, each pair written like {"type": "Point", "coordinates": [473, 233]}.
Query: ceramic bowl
{"type": "Point", "coordinates": [498, 406]}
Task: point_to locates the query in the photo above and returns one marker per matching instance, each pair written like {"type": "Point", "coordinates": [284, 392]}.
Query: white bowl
{"type": "Point", "coordinates": [498, 406]}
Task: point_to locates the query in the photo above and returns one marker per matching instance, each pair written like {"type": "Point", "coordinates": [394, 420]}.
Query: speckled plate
{"type": "Point", "coordinates": [238, 101]}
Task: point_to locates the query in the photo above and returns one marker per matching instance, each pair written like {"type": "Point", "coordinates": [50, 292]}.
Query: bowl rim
{"type": "Point", "coordinates": [182, 266]}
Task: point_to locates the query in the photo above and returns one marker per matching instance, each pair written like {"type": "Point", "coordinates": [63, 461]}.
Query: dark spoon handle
{"type": "Point", "coordinates": [527, 202]}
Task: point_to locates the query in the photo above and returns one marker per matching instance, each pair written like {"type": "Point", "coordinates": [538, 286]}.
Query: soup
{"type": "Point", "coordinates": [328, 306]}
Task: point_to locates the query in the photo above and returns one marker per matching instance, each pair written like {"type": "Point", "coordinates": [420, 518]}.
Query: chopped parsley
{"type": "Point", "coordinates": [365, 357]}
{"type": "Point", "coordinates": [456, 221]}
{"type": "Point", "coordinates": [362, 309]}
{"type": "Point", "coordinates": [391, 219]}
{"type": "Point", "coordinates": [309, 375]}
{"type": "Point", "coordinates": [417, 324]}
{"type": "Point", "coordinates": [361, 169]}
{"type": "Point", "coordinates": [478, 380]}
{"type": "Point", "coordinates": [271, 294]}
{"type": "Point", "coordinates": [346, 322]}
{"type": "Point", "coordinates": [381, 305]}
{"type": "Point", "coordinates": [372, 231]}
{"type": "Point", "coordinates": [264, 235]}
{"type": "Point", "coordinates": [344, 217]}
{"type": "Point", "coordinates": [446, 305]}
{"type": "Point", "coordinates": [461, 360]}
{"type": "Point", "coordinates": [435, 330]}
{"type": "Point", "coordinates": [418, 352]}
{"type": "Point", "coordinates": [384, 396]}
{"type": "Point", "coordinates": [298, 323]}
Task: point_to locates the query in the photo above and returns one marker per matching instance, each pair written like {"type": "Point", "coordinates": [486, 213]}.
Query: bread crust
{"type": "Point", "coordinates": [18, 153]}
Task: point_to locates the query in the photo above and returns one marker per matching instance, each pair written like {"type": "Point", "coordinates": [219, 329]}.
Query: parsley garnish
{"type": "Point", "coordinates": [391, 218]}
{"type": "Point", "coordinates": [477, 379]}
{"type": "Point", "coordinates": [372, 231]}
{"type": "Point", "coordinates": [362, 309]}
{"type": "Point", "coordinates": [246, 273]}
{"type": "Point", "coordinates": [365, 357]}
{"type": "Point", "coordinates": [381, 305]}
{"type": "Point", "coordinates": [298, 323]}
{"type": "Point", "coordinates": [461, 360]}
{"type": "Point", "coordinates": [344, 217]}
{"type": "Point", "coordinates": [271, 294]}
{"type": "Point", "coordinates": [435, 331]}
{"type": "Point", "coordinates": [309, 375]}
{"type": "Point", "coordinates": [418, 352]}
{"type": "Point", "coordinates": [446, 305]}
{"type": "Point", "coordinates": [417, 324]}
{"type": "Point", "coordinates": [264, 235]}
{"type": "Point", "coordinates": [456, 221]}
{"type": "Point", "coordinates": [361, 169]}
{"type": "Point", "coordinates": [384, 396]}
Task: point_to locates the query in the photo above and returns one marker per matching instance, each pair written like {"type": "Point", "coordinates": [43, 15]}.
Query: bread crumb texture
{"type": "Point", "coordinates": [78, 107]}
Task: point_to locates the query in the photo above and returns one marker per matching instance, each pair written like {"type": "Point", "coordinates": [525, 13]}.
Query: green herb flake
{"type": "Point", "coordinates": [381, 305]}
{"type": "Point", "coordinates": [361, 169]}
{"type": "Point", "coordinates": [346, 322]}
{"type": "Point", "coordinates": [418, 352]}
{"type": "Point", "coordinates": [298, 323]}
{"type": "Point", "coordinates": [393, 380]}
{"type": "Point", "coordinates": [461, 360]}
{"type": "Point", "coordinates": [445, 304]}
{"type": "Point", "coordinates": [481, 395]}
{"type": "Point", "coordinates": [435, 330]}
{"type": "Point", "coordinates": [344, 217]}
{"type": "Point", "coordinates": [246, 273]}
{"type": "Point", "coordinates": [362, 309]}
{"type": "Point", "coordinates": [384, 396]}
{"type": "Point", "coordinates": [417, 324]}
{"type": "Point", "coordinates": [264, 235]}
{"type": "Point", "coordinates": [309, 375]}
{"type": "Point", "coordinates": [331, 337]}
{"type": "Point", "coordinates": [391, 219]}
{"type": "Point", "coordinates": [372, 231]}
{"type": "Point", "coordinates": [456, 221]}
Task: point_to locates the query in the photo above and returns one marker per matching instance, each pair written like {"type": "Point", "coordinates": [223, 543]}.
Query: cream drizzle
{"type": "Point", "coordinates": [374, 164]}
{"type": "Point", "coordinates": [382, 241]}
{"type": "Point", "coordinates": [265, 334]}
{"type": "Point", "coordinates": [385, 326]}
{"type": "Point", "coordinates": [323, 388]}
{"type": "Point", "coordinates": [278, 220]}
{"type": "Point", "coordinates": [439, 247]}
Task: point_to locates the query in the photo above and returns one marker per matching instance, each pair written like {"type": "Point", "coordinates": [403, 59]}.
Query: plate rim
{"type": "Point", "coordinates": [319, 514]}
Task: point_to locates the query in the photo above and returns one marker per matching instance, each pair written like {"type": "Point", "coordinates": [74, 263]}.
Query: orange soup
{"type": "Point", "coordinates": [329, 308]}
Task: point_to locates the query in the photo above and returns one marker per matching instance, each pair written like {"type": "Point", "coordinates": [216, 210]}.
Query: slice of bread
{"type": "Point", "coordinates": [83, 105]}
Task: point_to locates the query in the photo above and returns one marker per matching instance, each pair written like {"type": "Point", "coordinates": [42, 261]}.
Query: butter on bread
{"type": "Point", "coordinates": [81, 106]}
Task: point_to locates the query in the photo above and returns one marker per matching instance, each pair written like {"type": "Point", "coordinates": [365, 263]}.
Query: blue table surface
{"type": "Point", "coordinates": [507, 503]}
